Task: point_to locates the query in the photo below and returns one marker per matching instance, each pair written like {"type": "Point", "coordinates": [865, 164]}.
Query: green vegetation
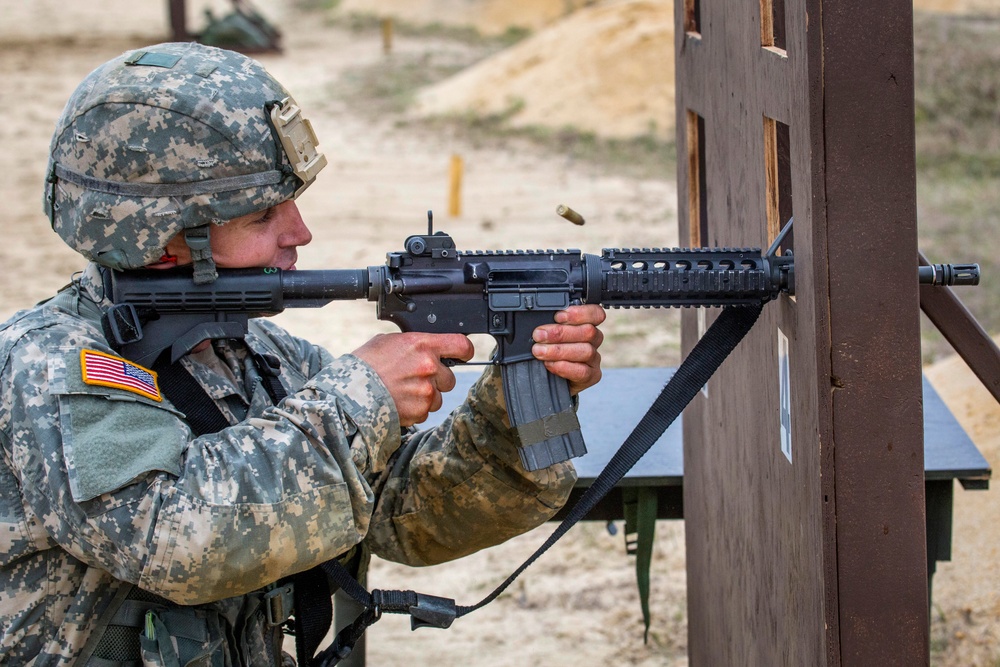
{"type": "Point", "coordinates": [390, 85]}
{"type": "Point", "coordinates": [957, 69]}
{"type": "Point", "coordinates": [359, 22]}
{"type": "Point", "coordinates": [645, 156]}
{"type": "Point", "coordinates": [316, 5]}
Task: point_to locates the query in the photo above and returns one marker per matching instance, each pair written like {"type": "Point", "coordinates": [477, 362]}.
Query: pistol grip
{"type": "Point", "coordinates": [541, 410]}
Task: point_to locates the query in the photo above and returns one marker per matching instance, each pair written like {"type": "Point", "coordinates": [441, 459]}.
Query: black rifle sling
{"type": "Point", "coordinates": [718, 342]}
{"type": "Point", "coordinates": [311, 595]}
{"type": "Point", "coordinates": [201, 412]}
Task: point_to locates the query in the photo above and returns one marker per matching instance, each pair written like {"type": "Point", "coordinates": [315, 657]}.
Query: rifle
{"type": "Point", "coordinates": [432, 287]}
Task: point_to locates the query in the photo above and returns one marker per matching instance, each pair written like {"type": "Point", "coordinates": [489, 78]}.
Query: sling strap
{"type": "Point", "coordinates": [640, 530]}
{"type": "Point", "coordinates": [715, 346]}
{"type": "Point", "coordinates": [180, 387]}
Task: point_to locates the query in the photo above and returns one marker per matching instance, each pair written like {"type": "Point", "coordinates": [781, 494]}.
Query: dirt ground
{"type": "Point", "coordinates": [580, 599]}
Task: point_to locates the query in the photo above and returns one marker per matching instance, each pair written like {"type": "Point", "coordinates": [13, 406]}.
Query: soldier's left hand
{"type": "Point", "coordinates": [569, 346]}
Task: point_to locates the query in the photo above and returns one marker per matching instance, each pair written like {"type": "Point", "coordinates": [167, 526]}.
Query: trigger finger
{"type": "Point", "coordinates": [560, 333]}
{"type": "Point", "coordinates": [582, 314]}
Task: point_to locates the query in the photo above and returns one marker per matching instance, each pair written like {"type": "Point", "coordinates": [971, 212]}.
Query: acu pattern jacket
{"type": "Point", "coordinates": [103, 486]}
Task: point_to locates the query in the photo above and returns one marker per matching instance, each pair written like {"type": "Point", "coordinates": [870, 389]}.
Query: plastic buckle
{"type": "Point", "coordinates": [278, 604]}
{"type": "Point", "coordinates": [197, 238]}
{"type": "Point", "coordinates": [267, 364]}
{"type": "Point", "coordinates": [432, 611]}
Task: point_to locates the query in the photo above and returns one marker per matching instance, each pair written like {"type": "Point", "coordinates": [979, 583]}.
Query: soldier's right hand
{"type": "Point", "coordinates": [410, 366]}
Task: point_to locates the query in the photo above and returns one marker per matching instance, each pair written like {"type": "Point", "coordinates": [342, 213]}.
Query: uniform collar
{"type": "Point", "coordinates": [91, 283]}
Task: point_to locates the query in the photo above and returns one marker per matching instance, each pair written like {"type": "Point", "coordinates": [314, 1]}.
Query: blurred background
{"type": "Point", "coordinates": [543, 102]}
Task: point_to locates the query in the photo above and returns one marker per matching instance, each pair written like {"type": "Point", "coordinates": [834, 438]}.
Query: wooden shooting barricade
{"type": "Point", "coordinates": [804, 461]}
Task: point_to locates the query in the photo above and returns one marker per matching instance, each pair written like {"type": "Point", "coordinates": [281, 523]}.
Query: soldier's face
{"type": "Point", "coordinates": [266, 238]}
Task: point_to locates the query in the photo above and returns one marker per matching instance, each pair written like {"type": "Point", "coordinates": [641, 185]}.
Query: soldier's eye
{"type": "Point", "coordinates": [267, 217]}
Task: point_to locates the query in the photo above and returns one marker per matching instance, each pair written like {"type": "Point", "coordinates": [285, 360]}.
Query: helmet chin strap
{"type": "Point", "coordinates": [201, 254]}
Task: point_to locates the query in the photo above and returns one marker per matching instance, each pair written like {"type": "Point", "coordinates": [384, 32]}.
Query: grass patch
{"type": "Point", "coordinates": [957, 95]}
{"type": "Point", "coordinates": [316, 5]}
{"type": "Point", "coordinates": [645, 156]}
{"type": "Point", "coordinates": [370, 23]}
{"type": "Point", "coordinates": [390, 85]}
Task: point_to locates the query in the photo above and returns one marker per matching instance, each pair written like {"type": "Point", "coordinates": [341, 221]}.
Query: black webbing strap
{"type": "Point", "coordinates": [203, 415]}
{"type": "Point", "coordinates": [269, 367]}
{"type": "Point", "coordinates": [721, 338]}
{"type": "Point", "coordinates": [312, 602]}
{"type": "Point", "coordinates": [201, 412]}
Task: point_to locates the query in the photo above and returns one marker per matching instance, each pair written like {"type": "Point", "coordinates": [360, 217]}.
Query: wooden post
{"type": "Point", "coordinates": [387, 36]}
{"type": "Point", "coordinates": [455, 186]}
{"type": "Point", "coordinates": [178, 20]}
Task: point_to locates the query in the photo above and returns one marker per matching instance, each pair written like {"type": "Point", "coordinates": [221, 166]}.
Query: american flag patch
{"type": "Point", "coordinates": [108, 370]}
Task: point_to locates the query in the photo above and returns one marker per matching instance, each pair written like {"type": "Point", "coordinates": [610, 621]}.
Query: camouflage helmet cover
{"type": "Point", "coordinates": [169, 138]}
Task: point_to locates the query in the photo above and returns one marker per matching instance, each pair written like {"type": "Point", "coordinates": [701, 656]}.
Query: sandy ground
{"type": "Point", "coordinates": [580, 599]}
{"type": "Point", "coordinates": [623, 52]}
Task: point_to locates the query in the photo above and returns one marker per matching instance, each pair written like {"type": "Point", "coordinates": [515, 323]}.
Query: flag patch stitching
{"type": "Point", "coordinates": [107, 370]}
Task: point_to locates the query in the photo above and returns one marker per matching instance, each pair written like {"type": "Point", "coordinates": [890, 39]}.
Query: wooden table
{"type": "Point", "coordinates": [609, 410]}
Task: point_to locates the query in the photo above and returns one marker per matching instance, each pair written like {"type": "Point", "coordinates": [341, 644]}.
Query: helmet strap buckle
{"type": "Point", "coordinates": [197, 240]}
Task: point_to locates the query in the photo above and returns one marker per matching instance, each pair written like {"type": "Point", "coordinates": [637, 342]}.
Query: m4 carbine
{"type": "Point", "coordinates": [432, 287]}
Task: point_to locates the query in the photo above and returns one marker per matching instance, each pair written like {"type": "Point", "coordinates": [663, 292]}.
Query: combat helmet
{"type": "Point", "coordinates": [173, 138]}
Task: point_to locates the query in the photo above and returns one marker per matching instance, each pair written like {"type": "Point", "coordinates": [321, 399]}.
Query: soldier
{"type": "Point", "coordinates": [129, 538]}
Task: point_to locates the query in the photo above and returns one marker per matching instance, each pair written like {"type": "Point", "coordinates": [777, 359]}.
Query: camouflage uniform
{"type": "Point", "coordinates": [283, 489]}
{"type": "Point", "coordinates": [106, 491]}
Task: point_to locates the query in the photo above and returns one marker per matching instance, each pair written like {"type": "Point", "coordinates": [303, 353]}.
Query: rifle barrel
{"type": "Point", "coordinates": [949, 274]}
{"type": "Point", "coordinates": [309, 289]}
